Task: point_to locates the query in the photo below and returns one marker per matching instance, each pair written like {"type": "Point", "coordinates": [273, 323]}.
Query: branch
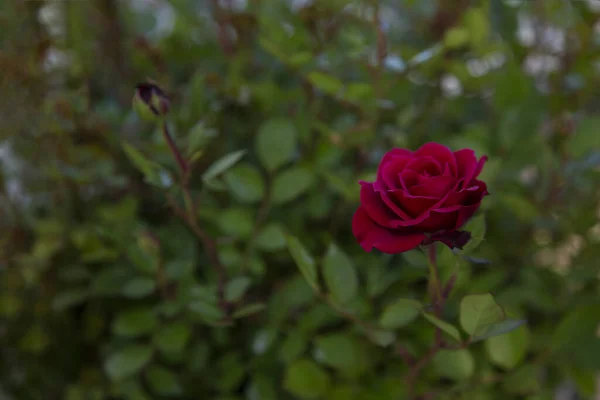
{"type": "Point", "coordinates": [188, 214]}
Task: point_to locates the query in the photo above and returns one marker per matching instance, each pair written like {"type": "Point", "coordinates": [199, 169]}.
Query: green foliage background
{"type": "Point", "coordinates": [106, 294]}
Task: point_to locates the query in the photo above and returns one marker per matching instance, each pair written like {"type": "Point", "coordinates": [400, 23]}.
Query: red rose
{"type": "Point", "coordinates": [419, 197]}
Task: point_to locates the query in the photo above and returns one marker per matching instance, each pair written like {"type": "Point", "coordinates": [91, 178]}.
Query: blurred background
{"type": "Point", "coordinates": [106, 294]}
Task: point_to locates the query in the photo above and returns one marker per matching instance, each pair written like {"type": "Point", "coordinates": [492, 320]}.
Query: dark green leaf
{"type": "Point", "coordinates": [585, 138]}
{"type": "Point", "coordinates": [173, 337]}
{"type": "Point", "coordinates": [478, 312]}
{"type": "Point", "coordinates": [145, 166]}
{"type": "Point", "coordinates": [248, 310]}
{"type": "Point", "coordinates": [127, 361]}
{"type": "Point", "coordinates": [509, 349]}
{"type": "Point", "coordinates": [343, 352]}
{"type": "Point", "coordinates": [139, 287]}
{"type": "Point", "coordinates": [400, 313]}
{"type": "Point", "coordinates": [135, 322]}
{"type": "Point", "coordinates": [271, 238]}
{"type": "Point", "coordinates": [499, 328]}
{"type": "Point", "coordinates": [339, 274]}
{"type": "Point", "coordinates": [443, 325]}
{"type": "Point", "coordinates": [276, 143]}
{"type": "Point", "coordinates": [290, 184]}
{"type": "Point", "coordinates": [306, 380]}
{"type": "Point", "coordinates": [206, 310]}
{"type": "Point", "coordinates": [327, 83]}
{"type": "Point", "coordinates": [245, 182]}
{"type": "Point", "coordinates": [476, 226]}
{"type": "Point", "coordinates": [304, 261]}
{"type": "Point", "coordinates": [236, 288]}
{"type": "Point", "coordinates": [65, 300]}
{"type": "Point", "coordinates": [162, 381]}
{"type": "Point", "coordinates": [222, 165]}
{"type": "Point", "coordinates": [292, 347]}
{"type": "Point", "coordinates": [457, 365]}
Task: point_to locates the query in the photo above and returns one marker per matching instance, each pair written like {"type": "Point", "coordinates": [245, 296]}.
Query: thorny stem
{"type": "Point", "coordinates": [189, 216]}
{"type": "Point", "coordinates": [183, 166]}
{"type": "Point", "coordinates": [434, 276]}
{"type": "Point", "coordinates": [439, 296]}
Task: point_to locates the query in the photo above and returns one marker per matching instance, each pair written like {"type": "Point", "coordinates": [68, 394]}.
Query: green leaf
{"type": "Point", "coordinates": [327, 83]}
{"type": "Point", "coordinates": [230, 371]}
{"type": "Point", "coordinates": [339, 274]}
{"type": "Point", "coordinates": [585, 138]}
{"type": "Point", "coordinates": [456, 37]}
{"type": "Point", "coordinates": [304, 261]}
{"type": "Point", "coordinates": [172, 338]}
{"type": "Point", "coordinates": [249, 310]}
{"type": "Point", "coordinates": [499, 329]}
{"type": "Point", "coordinates": [478, 312]}
{"type": "Point", "coordinates": [208, 311]}
{"type": "Point", "coordinates": [236, 288]}
{"type": "Point", "coordinates": [276, 143]}
{"type": "Point", "coordinates": [477, 23]}
{"type": "Point", "coordinates": [443, 325]}
{"type": "Point", "coordinates": [245, 182]}
{"type": "Point", "coordinates": [508, 350]}
{"type": "Point", "coordinates": [524, 380]}
{"type": "Point", "coordinates": [135, 322]}
{"type": "Point", "coordinates": [415, 258]}
{"type": "Point", "coordinates": [575, 339]}
{"type": "Point", "coordinates": [127, 361]}
{"type": "Point", "coordinates": [148, 168]}
{"type": "Point", "coordinates": [236, 222]}
{"type": "Point", "coordinates": [457, 365]}
{"type": "Point", "coordinates": [198, 137]}
{"type": "Point", "coordinates": [271, 238]}
{"type": "Point", "coordinates": [400, 313]}
{"type": "Point", "coordinates": [262, 388]}
{"type": "Point", "coordinates": [343, 352]}
{"type": "Point", "coordinates": [290, 184]}
{"type": "Point", "coordinates": [306, 380]}
{"type": "Point", "coordinates": [139, 287]}
{"type": "Point", "coordinates": [222, 165]}
{"type": "Point", "coordinates": [162, 381]}
{"type": "Point", "coordinates": [292, 347]}
{"type": "Point", "coordinates": [70, 298]}
{"type": "Point", "coordinates": [476, 226]}
{"type": "Point", "coordinates": [383, 338]}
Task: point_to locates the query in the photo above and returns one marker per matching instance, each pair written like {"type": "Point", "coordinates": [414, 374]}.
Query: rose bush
{"type": "Point", "coordinates": [419, 197]}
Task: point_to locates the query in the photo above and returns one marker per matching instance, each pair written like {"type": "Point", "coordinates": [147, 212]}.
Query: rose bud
{"type": "Point", "coordinates": [419, 197]}
{"type": "Point", "coordinates": [150, 102]}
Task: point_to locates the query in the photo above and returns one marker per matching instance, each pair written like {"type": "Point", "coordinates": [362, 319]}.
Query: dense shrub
{"type": "Point", "coordinates": [233, 272]}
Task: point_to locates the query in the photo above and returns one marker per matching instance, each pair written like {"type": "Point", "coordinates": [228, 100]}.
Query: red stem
{"type": "Point", "coordinates": [183, 166]}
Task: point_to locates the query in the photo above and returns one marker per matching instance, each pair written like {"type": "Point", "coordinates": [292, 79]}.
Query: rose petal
{"type": "Point", "coordinates": [465, 213]}
{"type": "Point", "coordinates": [425, 164]}
{"type": "Point", "coordinates": [369, 235]}
{"type": "Point", "coordinates": [391, 156]}
{"type": "Point", "coordinates": [408, 178]}
{"type": "Point", "coordinates": [391, 171]}
{"type": "Point", "coordinates": [468, 166]}
{"type": "Point", "coordinates": [413, 205]}
{"type": "Point", "coordinates": [439, 219]}
{"type": "Point", "coordinates": [437, 186]}
{"type": "Point", "coordinates": [439, 152]}
{"type": "Point", "coordinates": [395, 208]}
{"type": "Point", "coordinates": [447, 170]}
{"type": "Point", "coordinates": [452, 239]}
{"type": "Point", "coordinates": [374, 206]}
